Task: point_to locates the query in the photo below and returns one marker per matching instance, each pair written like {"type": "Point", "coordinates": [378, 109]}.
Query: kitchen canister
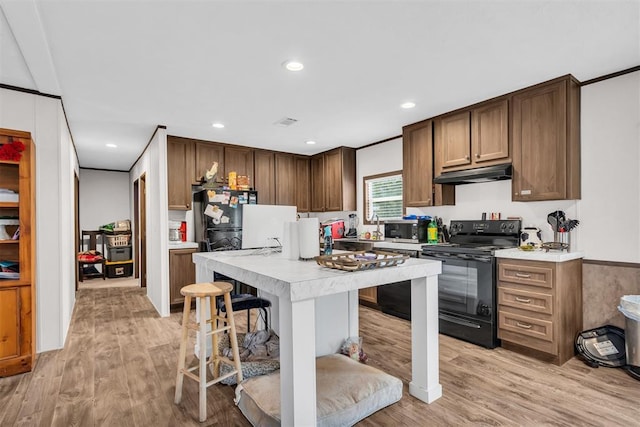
{"type": "Point", "coordinates": [308, 237]}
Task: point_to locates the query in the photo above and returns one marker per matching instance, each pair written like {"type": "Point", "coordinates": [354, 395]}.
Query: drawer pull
{"type": "Point", "coordinates": [523, 276]}
{"type": "Point", "coordinates": [523, 325]}
{"type": "Point", "coordinates": [524, 300]}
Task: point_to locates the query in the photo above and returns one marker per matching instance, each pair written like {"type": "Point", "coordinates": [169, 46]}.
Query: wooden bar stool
{"type": "Point", "coordinates": [202, 291]}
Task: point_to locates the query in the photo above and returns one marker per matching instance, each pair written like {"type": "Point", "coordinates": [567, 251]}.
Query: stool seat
{"type": "Point", "coordinates": [201, 290]}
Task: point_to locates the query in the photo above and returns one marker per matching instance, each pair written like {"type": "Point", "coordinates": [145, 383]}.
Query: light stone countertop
{"type": "Point", "coordinates": [538, 255]}
{"type": "Point", "coordinates": [183, 245]}
{"type": "Point", "coordinates": [301, 280]}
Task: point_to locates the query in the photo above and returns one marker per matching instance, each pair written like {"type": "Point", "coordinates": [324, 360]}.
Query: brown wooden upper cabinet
{"type": "Point", "coordinates": [472, 138]}
{"type": "Point", "coordinates": [545, 132]}
{"type": "Point", "coordinates": [205, 154]}
{"type": "Point", "coordinates": [316, 166]}
{"type": "Point", "coordinates": [285, 179]}
{"type": "Point", "coordinates": [265, 176]}
{"type": "Point", "coordinates": [417, 164]}
{"type": "Point", "coordinates": [240, 160]}
{"type": "Point", "coordinates": [303, 184]}
{"type": "Point", "coordinates": [333, 180]}
{"type": "Point", "coordinates": [179, 172]}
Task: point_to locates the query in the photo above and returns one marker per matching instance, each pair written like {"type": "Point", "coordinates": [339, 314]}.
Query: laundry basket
{"type": "Point", "coordinates": [119, 240]}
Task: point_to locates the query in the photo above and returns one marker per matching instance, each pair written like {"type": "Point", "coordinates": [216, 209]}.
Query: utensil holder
{"type": "Point", "coordinates": [564, 240]}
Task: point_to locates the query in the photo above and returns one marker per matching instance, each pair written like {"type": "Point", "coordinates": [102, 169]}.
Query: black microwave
{"type": "Point", "coordinates": [406, 230]}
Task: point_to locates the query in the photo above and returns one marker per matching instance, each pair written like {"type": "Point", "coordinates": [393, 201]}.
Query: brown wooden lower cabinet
{"type": "Point", "coordinates": [540, 307]}
{"type": "Point", "coordinates": [182, 272]}
{"type": "Point", "coordinates": [369, 295]}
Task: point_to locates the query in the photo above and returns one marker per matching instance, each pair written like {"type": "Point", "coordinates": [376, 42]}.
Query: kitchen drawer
{"type": "Point", "coordinates": [525, 300]}
{"type": "Point", "coordinates": [523, 328]}
{"type": "Point", "coordinates": [530, 273]}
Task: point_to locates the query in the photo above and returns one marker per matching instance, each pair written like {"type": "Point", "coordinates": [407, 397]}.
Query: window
{"type": "Point", "coordinates": [383, 196]}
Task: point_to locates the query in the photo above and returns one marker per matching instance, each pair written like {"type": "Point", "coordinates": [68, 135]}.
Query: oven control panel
{"type": "Point", "coordinates": [496, 227]}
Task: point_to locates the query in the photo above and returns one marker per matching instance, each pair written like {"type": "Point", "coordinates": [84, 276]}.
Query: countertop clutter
{"type": "Point", "coordinates": [538, 255]}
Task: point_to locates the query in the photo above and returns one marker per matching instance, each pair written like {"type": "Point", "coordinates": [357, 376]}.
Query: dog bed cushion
{"type": "Point", "coordinates": [346, 392]}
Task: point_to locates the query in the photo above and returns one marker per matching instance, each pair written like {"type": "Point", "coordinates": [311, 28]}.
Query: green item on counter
{"type": "Point", "coordinates": [432, 232]}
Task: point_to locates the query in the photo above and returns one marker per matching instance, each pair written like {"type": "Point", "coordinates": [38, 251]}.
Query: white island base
{"type": "Point", "coordinates": [315, 308]}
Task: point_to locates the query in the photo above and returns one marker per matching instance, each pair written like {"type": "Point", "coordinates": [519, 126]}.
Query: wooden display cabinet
{"type": "Point", "coordinates": [17, 291]}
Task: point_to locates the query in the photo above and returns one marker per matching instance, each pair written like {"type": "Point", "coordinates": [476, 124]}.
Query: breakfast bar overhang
{"type": "Point", "coordinates": [316, 307]}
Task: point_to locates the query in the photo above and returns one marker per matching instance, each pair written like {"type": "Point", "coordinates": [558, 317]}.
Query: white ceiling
{"type": "Point", "coordinates": [124, 67]}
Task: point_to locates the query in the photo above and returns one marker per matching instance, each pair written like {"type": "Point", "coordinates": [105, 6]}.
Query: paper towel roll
{"type": "Point", "coordinates": [308, 237]}
{"type": "Point", "coordinates": [290, 246]}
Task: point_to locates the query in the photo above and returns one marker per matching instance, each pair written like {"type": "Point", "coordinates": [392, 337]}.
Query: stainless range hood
{"type": "Point", "coordinates": [469, 176]}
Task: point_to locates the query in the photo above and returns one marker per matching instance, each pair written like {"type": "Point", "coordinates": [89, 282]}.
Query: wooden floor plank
{"type": "Point", "coordinates": [119, 365]}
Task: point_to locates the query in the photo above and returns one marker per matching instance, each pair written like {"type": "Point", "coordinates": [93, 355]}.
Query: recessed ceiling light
{"type": "Point", "coordinates": [218, 125]}
{"type": "Point", "coordinates": [310, 142]}
{"type": "Point", "coordinates": [408, 105]}
{"type": "Point", "coordinates": [293, 65]}
{"type": "Point", "coordinates": [111, 145]}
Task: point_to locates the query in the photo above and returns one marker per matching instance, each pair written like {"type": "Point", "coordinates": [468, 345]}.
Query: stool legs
{"type": "Point", "coordinates": [214, 359]}
{"type": "Point", "coordinates": [183, 348]}
{"type": "Point", "coordinates": [202, 332]}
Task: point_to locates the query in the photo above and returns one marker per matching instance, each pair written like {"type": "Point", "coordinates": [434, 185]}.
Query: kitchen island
{"type": "Point", "coordinates": [315, 308]}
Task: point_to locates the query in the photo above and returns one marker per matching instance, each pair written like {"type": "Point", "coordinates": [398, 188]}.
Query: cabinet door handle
{"type": "Point", "coordinates": [477, 156]}
{"type": "Point", "coordinates": [524, 300]}
{"type": "Point", "coordinates": [523, 325]}
{"type": "Point", "coordinates": [523, 276]}
{"type": "Point", "coordinates": [466, 157]}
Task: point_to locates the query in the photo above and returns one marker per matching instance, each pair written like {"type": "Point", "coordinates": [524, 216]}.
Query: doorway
{"type": "Point", "coordinates": [142, 237]}
{"type": "Point", "coordinates": [76, 223]}
{"type": "Point", "coordinates": [136, 227]}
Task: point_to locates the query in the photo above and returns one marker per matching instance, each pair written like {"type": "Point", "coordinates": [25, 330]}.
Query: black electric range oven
{"type": "Point", "coordinates": [467, 300]}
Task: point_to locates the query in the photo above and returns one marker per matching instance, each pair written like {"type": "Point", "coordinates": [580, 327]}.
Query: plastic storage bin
{"type": "Point", "coordinates": [119, 253]}
{"type": "Point", "coordinates": [119, 269]}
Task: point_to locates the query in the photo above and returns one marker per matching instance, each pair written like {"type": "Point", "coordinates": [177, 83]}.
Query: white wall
{"type": "Point", "coordinates": [104, 198]}
{"type": "Point", "coordinates": [153, 163]}
{"type": "Point", "coordinates": [55, 252]}
{"type": "Point", "coordinates": [610, 207]}
{"type": "Point", "coordinates": [374, 160]}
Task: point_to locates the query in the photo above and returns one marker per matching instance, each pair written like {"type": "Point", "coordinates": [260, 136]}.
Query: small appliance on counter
{"type": "Point", "coordinates": [353, 226]}
{"type": "Point", "coordinates": [406, 230]}
{"type": "Point", "coordinates": [336, 227]}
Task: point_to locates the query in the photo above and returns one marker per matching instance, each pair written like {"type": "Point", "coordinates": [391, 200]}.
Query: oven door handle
{"type": "Point", "coordinates": [458, 321]}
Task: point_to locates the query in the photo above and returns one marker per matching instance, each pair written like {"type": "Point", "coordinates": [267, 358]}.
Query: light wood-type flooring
{"type": "Point", "coordinates": [118, 369]}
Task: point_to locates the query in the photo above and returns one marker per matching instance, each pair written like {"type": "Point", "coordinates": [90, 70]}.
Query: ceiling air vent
{"type": "Point", "coordinates": [285, 121]}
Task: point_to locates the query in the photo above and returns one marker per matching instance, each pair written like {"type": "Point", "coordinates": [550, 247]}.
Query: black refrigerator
{"type": "Point", "coordinates": [218, 218]}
